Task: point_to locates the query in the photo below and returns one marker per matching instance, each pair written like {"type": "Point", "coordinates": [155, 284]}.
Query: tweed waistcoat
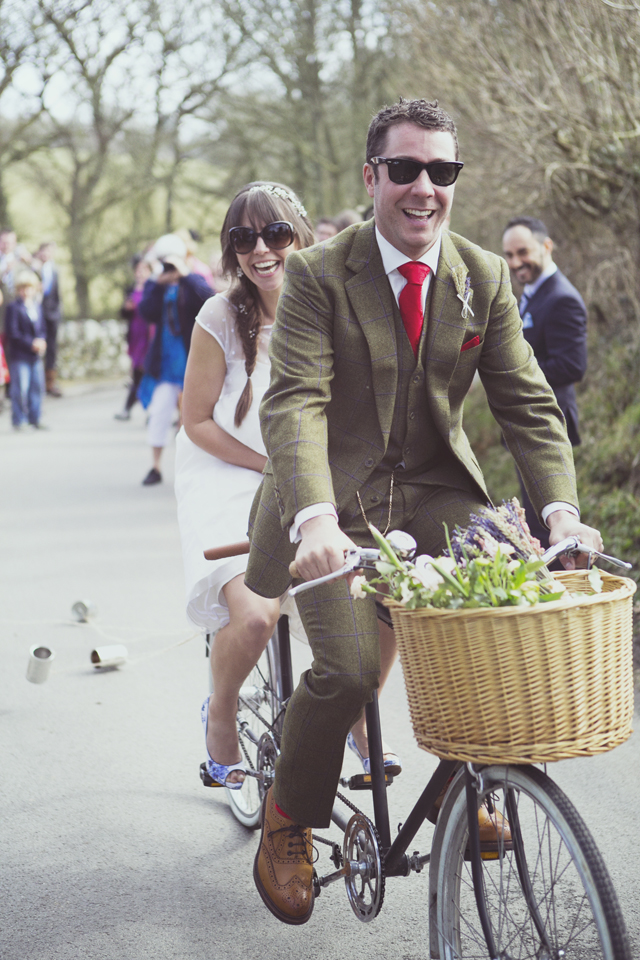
{"type": "Point", "coordinates": [417, 452]}
{"type": "Point", "coordinates": [414, 440]}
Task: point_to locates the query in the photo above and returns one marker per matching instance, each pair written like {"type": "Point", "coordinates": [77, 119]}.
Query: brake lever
{"type": "Point", "coordinates": [572, 547]}
{"type": "Point", "coordinates": [603, 556]}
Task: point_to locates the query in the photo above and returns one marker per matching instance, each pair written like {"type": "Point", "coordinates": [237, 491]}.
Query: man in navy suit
{"type": "Point", "coordinates": [51, 310]}
{"type": "Point", "coordinates": [554, 320]}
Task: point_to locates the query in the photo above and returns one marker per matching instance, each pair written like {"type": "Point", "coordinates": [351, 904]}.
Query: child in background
{"type": "Point", "coordinates": [25, 337]}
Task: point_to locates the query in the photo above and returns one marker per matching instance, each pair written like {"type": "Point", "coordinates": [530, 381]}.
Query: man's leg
{"type": "Point", "coordinates": [429, 508]}
{"type": "Point", "coordinates": [51, 358]}
{"type": "Point", "coordinates": [343, 635]}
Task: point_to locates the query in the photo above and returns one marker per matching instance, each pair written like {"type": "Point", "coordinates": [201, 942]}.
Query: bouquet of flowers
{"type": "Point", "coordinates": [493, 562]}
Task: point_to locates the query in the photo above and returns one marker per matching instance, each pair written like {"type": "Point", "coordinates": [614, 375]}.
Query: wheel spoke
{"type": "Point", "coordinates": [551, 893]}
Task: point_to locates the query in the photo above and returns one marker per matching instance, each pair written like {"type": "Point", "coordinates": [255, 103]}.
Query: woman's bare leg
{"type": "Point", "coordinates": [388, 654]}
{"type": "Point", "coordinates": [235, 651]}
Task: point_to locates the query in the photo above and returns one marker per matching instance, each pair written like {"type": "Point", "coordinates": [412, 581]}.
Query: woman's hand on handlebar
{"type": "Point", "coordinates": [322, 548]}
{"type": "Point", "coordinates": [563, 524]}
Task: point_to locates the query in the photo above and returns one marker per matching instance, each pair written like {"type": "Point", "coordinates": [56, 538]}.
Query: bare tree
{"type": "Point", "coordinates": [195, 51]}
{"type": "Point", "coordinates": [24, 74]}
{"type": "Point", "coordinates": [319, 69]}
{"type": "Point", "coordinates": [551, 90]}
{"type": "Point", "coordinates": [131, 81]}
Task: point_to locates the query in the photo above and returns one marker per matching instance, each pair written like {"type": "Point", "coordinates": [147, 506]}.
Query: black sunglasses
{"type": "Point", "coordinates": [442, 173]}
{"type": "Point", "coordinates": [276, 236]}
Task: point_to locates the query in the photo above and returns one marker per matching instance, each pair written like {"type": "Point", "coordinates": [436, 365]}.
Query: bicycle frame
{"type": "Point", "coordinates": [396, 861]}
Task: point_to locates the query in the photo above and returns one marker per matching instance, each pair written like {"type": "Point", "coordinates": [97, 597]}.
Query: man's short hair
{"type": "Point", "coordinates": [424, 113]}
{"type": "Point", "coordinates": [537, 227]}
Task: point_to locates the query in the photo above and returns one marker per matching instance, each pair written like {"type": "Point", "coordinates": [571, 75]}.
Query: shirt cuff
{"type": "Point", "coordinates": [558, 505]}
{"type": "Point", "coordinates": [308, 513]}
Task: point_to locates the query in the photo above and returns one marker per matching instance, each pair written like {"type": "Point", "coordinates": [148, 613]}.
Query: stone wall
{"type": "Point", "coordinates": [91, 350]}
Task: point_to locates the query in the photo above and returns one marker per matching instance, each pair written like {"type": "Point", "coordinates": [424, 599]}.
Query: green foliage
{"type": "Point", "coordinates": [607, 461]}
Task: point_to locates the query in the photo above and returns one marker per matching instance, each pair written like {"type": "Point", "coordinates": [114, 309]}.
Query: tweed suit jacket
{"type": "Point", "coordinates": [327, 414]}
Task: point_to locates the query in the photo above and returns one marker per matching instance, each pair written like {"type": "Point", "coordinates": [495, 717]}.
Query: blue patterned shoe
{"type": "Point", "coordinates": [392, 764]}
{"type": "Point", "coordinates": [219, 771]}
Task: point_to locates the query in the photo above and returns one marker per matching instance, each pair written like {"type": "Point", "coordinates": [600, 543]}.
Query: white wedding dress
{"type": "Point", "coordinates": [214, 497]}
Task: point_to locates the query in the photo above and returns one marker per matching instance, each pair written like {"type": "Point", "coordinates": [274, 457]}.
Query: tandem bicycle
{"type": "Point", "coordinates": [542, 894]}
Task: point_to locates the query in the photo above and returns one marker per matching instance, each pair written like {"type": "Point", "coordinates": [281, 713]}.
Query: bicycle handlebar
{"type": "Point", "coordinates": [362, 557]}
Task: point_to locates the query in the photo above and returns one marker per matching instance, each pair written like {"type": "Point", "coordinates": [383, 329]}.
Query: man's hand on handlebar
{"type": "Point", "coordinates": [563, 524]}
{"type": "Point", "coordinates": [322, 548]}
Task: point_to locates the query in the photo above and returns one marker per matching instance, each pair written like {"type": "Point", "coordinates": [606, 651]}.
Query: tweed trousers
{"type": "Point", "coordinates": [343, 635]}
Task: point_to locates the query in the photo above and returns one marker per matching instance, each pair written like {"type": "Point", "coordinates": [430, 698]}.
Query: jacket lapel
{"type": "Point", "coordinates": [446, 328]}
{"type": "Point", "coordinates": [372, 302]}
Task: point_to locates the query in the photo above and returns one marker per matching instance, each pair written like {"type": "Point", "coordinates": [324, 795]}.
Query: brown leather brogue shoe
{"type": "Point", "coordinates": [495, 833]}
{"type": "Point", "coordinates": [283, 868]}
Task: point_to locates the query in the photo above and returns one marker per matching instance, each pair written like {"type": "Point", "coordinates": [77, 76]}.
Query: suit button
{"type": "Point", "coordinates": [417, 378]}
{"type": "Point", "coordinates": [412, 415]}
{"type": "Point", "coordinates": [368, 462]}
{"type": "Point", "coordinates": [375, 498]}
{"type": "Point", "coordinates": [407, 451]}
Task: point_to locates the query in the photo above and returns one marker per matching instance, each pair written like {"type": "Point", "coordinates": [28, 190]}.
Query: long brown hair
{"type": "Point", "coordinates": [259, 207]}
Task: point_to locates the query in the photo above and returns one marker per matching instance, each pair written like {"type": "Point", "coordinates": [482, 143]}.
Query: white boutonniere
{"type": "Point", "coordinates": [463, 289]}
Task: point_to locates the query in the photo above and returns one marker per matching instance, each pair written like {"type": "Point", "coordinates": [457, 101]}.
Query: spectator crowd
{"type": "Point", "coordinates": [30, 313]}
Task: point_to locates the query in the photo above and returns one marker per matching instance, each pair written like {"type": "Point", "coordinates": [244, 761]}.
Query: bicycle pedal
{"type": "Point", "coordinates": [362, 781]}
{"type": "Point", "coordinates": [207, 781]}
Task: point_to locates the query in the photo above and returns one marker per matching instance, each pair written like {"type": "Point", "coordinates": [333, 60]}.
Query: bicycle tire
{"type": "Point", "coordinates": [258, 713]}
{"type": "Point", "coordinates": [571, 891]}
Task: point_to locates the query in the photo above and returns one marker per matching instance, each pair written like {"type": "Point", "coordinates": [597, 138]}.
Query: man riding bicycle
{"type": "Point", "coordinates": [379, 334]}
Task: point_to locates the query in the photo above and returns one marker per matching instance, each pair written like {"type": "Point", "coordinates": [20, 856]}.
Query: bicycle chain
{"type": "Point", "coordinates": [246, 755]}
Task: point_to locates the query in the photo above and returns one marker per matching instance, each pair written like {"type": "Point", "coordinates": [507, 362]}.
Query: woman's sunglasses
{"type": "Point", "coordinates": [276, 236]}
{"type": "Point", "coordinates": [442, 173]}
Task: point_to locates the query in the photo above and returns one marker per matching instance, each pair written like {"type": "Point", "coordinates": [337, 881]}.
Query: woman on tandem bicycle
{"type": "Point", "coordinates": [219, 461]}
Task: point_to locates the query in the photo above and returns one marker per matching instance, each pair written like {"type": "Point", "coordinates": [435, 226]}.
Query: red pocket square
{"type": "Point", "coordinates": [469, 344]}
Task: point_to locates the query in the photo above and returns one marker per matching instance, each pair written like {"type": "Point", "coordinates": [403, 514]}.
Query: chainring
{"type": "Point", "coordinates": [266, 757]}
{"type": "Point", "coordinates": [365, 890]}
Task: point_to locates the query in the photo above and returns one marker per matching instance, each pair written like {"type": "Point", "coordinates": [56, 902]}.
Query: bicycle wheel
{"type": "Point", "coordinates": [258, 734]}
{"type": "Point", "coordinates": [550, 897]}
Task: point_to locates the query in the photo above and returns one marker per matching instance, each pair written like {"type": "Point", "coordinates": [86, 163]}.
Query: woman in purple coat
{"type": "Point", "coordinates": [139, 334]}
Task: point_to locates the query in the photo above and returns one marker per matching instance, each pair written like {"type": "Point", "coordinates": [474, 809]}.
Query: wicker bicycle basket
{"type": "Point", "coordinates": [522, 684]}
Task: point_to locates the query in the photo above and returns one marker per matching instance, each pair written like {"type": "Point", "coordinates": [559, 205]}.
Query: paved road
{"type": "Point", "coordinates": [110, 847]}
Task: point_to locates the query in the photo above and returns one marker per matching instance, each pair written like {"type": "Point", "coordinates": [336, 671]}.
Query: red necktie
{"type": "Point", "coordinates": [410, 300]}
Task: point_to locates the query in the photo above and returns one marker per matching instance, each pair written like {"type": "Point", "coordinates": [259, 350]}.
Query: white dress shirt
{"type": "Point", "coordinates": [391, 260]}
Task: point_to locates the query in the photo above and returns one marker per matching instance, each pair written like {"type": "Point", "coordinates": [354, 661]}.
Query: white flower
{"type": "Point", "coordinates": [506, 549]}
{"type": "Point", "coordinates": [406, 593]}
{"type": "Point", "coordinates": [513, 565]}
{"type": "Point", "coordinates": [488, 544]}
{"type": "Point", "coordinates": [356, 588]}
{"type": "Point", "coordinates": [447, 563]}
{"type": "Point", "coordinates": [425, 573]}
